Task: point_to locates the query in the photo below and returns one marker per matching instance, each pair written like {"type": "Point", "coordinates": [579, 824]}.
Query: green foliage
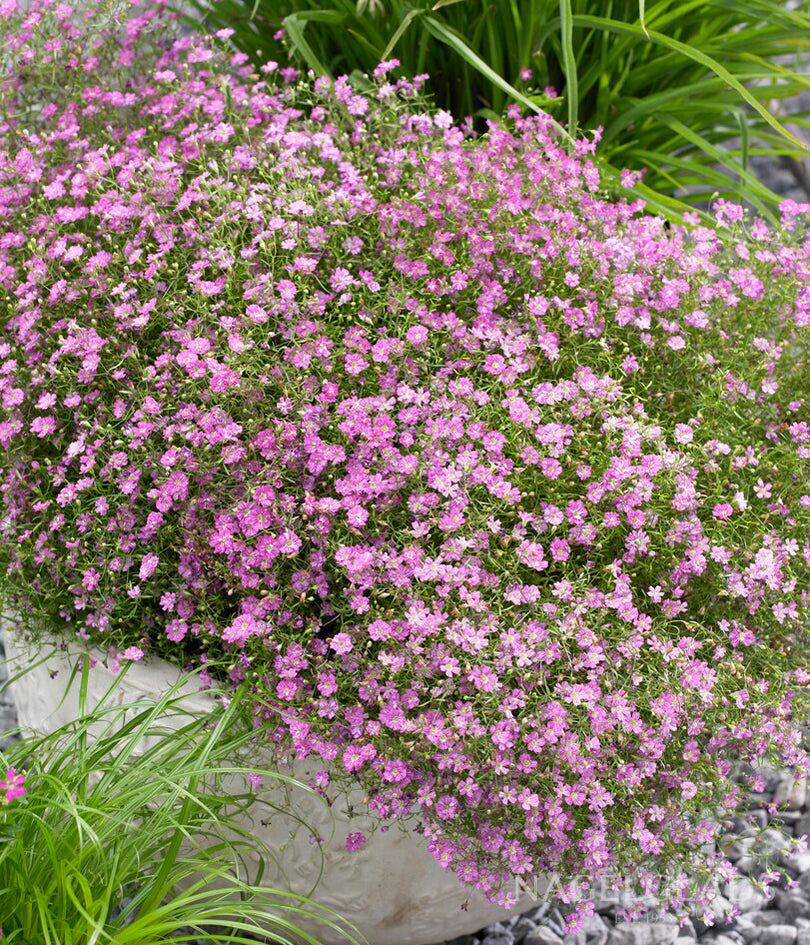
{"type": "Point", "coordinates": [688, 90]}
{"type": "Point", "coordinates": [126, 835]}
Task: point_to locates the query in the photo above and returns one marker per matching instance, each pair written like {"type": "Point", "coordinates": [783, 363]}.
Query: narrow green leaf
{"type": "Point", "coordinates": [296, 23]}
{"type": "Point", "coordinates": [658, 161]}
{"type": "Point", "coordinates": [569, 64]}
{"type": "Point", "coordinates": [637, 109]}
{"type": "Point", "coordinates": [641, 15]}
{"type": "Point", "coordinates": [697, 56]}
{"type": "Point", "coordinates": [371, 48]}
{"type": "Point", "coordinates": [445, 35]}
{"type": "Point", "coordinates": [722, 157]}
{"type": "Point", "coordinates": [670, 207]}
{"type": "Point", "coordinates": [444, 3]}
{"type": "Point", "coordinates": [400, 30]}
{"type": "Point", "coordinates": [745, 143]}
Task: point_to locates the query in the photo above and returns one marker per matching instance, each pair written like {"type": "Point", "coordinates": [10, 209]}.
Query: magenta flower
{"type": "Point", "coordinates": [416, 335]}
{"type": "Point", "coordinates": [341, 643]}
{"type": "Point", "coordinates": [683, 433]}
{"type": "Point", "coordinates": [12, 786]}
{"type": "Point", "coordinates": [148, 565]}
{"type": "Point", "coordinates": [354, 841]}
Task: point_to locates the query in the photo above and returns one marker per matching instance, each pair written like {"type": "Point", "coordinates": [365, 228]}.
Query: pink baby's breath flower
{"type": "Point", "coordinates": [341, 643]}
{"type": "Point", "coordinates": [12, 786]}
{"type": "Point", "coordinates": [560, 549]}
{"type": "Point", "coordinates": [385, 66]}
{"type": "Point", "coordinates": [683, 433]}
{"type": "Point", "coordinates": [356, 363]}
{"type": "Point", "coordinates": [417, 334]}
{"type": "Point", "coordinates": [176, 630]}
{"type": "Point", "coordinates": [90, 579]}
{"type": "Point", "coordinates": [357, 516]}
{"type": "Point", "coordinates": [133, 653]}
{"type": "Point", "coordinates": [655, 594]}
{"type": "Point", "coordinates": [723, 510]}
{"type": "Point", "coordinates": [200, 55]}
{"type": "Point", "coordinates": [43, 426]}
{"type": "Point", "coordinates": [355, 840]}
{"type": "Point", "coordinates": [242, 629]}
{"type": "Point", "coordinates": [287, 689]}
{"type": "Point", "coordinates": [763, 490]}
{"type": "Point", "coordinates": [148, 565]}
{"type": "Point", "coordinates": [552, 468]}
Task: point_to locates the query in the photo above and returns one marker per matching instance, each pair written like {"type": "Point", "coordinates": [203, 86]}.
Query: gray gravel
{"type": "Point", "coordinates": [782, 917]}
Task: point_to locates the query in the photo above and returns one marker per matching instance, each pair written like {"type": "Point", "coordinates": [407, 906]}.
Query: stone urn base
{"type": "Point", "coordinates": [391, 889]}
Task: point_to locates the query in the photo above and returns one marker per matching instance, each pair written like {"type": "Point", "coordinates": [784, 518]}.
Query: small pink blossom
{"type": "Point", "coordinates": [683, 433]}
{"type": "Point", "coordinates": [354, 841]}
{"type": "Point", "coordinates": [148, 565]}
{"type": "Point", "coordinates": [341, 643]}
{"type": "Point", "coordinates": [12, 786]}
{"type": "Point", "coordinates": [416, 335]}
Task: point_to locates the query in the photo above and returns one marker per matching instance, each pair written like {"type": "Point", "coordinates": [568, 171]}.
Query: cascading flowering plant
{"type": "Point", "coordinates": [497, 492]}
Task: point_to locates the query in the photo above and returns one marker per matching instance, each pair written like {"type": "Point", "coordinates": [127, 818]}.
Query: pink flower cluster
{"type": "Point", "coordinates": [12, 786]}
{"type": "Point", "coordinates": [496, 491]}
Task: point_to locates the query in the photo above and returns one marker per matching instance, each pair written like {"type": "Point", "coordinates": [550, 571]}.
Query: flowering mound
{"type": "Point", "coordinates": [497, 491]}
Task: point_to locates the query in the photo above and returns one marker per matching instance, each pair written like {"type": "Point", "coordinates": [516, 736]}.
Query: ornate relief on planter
{"type": "Point", "coordinates": [391, 889]}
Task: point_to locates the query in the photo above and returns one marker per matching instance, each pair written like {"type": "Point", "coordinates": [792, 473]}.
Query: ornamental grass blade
{"type": "Point", "coordinates": [658, 161]}
{"type": "Point", "coordinates": [437, 29]}
{"type": "Point", "coordinates": [641, 17]}
{"type": "Point", "coordinates": [721, 157]}
{"type": "Point", "coordinates": [628, 29]}
{"type": "Point", "coordinates": [569, 64]}
{"type": "Point", "coordinates": [671, 208]}
{"type": "Point", "coordinates": [296, 23]}
{"type": "Point", "coordinates": [400, 30]}
{"type": "Point", "coordinates": [659, 103]}
{"type": "Point", "coordinates": [745, 137]}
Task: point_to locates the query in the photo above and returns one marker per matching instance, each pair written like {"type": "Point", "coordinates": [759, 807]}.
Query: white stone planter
{"type": "Point", "coordinates": [391, 889]}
